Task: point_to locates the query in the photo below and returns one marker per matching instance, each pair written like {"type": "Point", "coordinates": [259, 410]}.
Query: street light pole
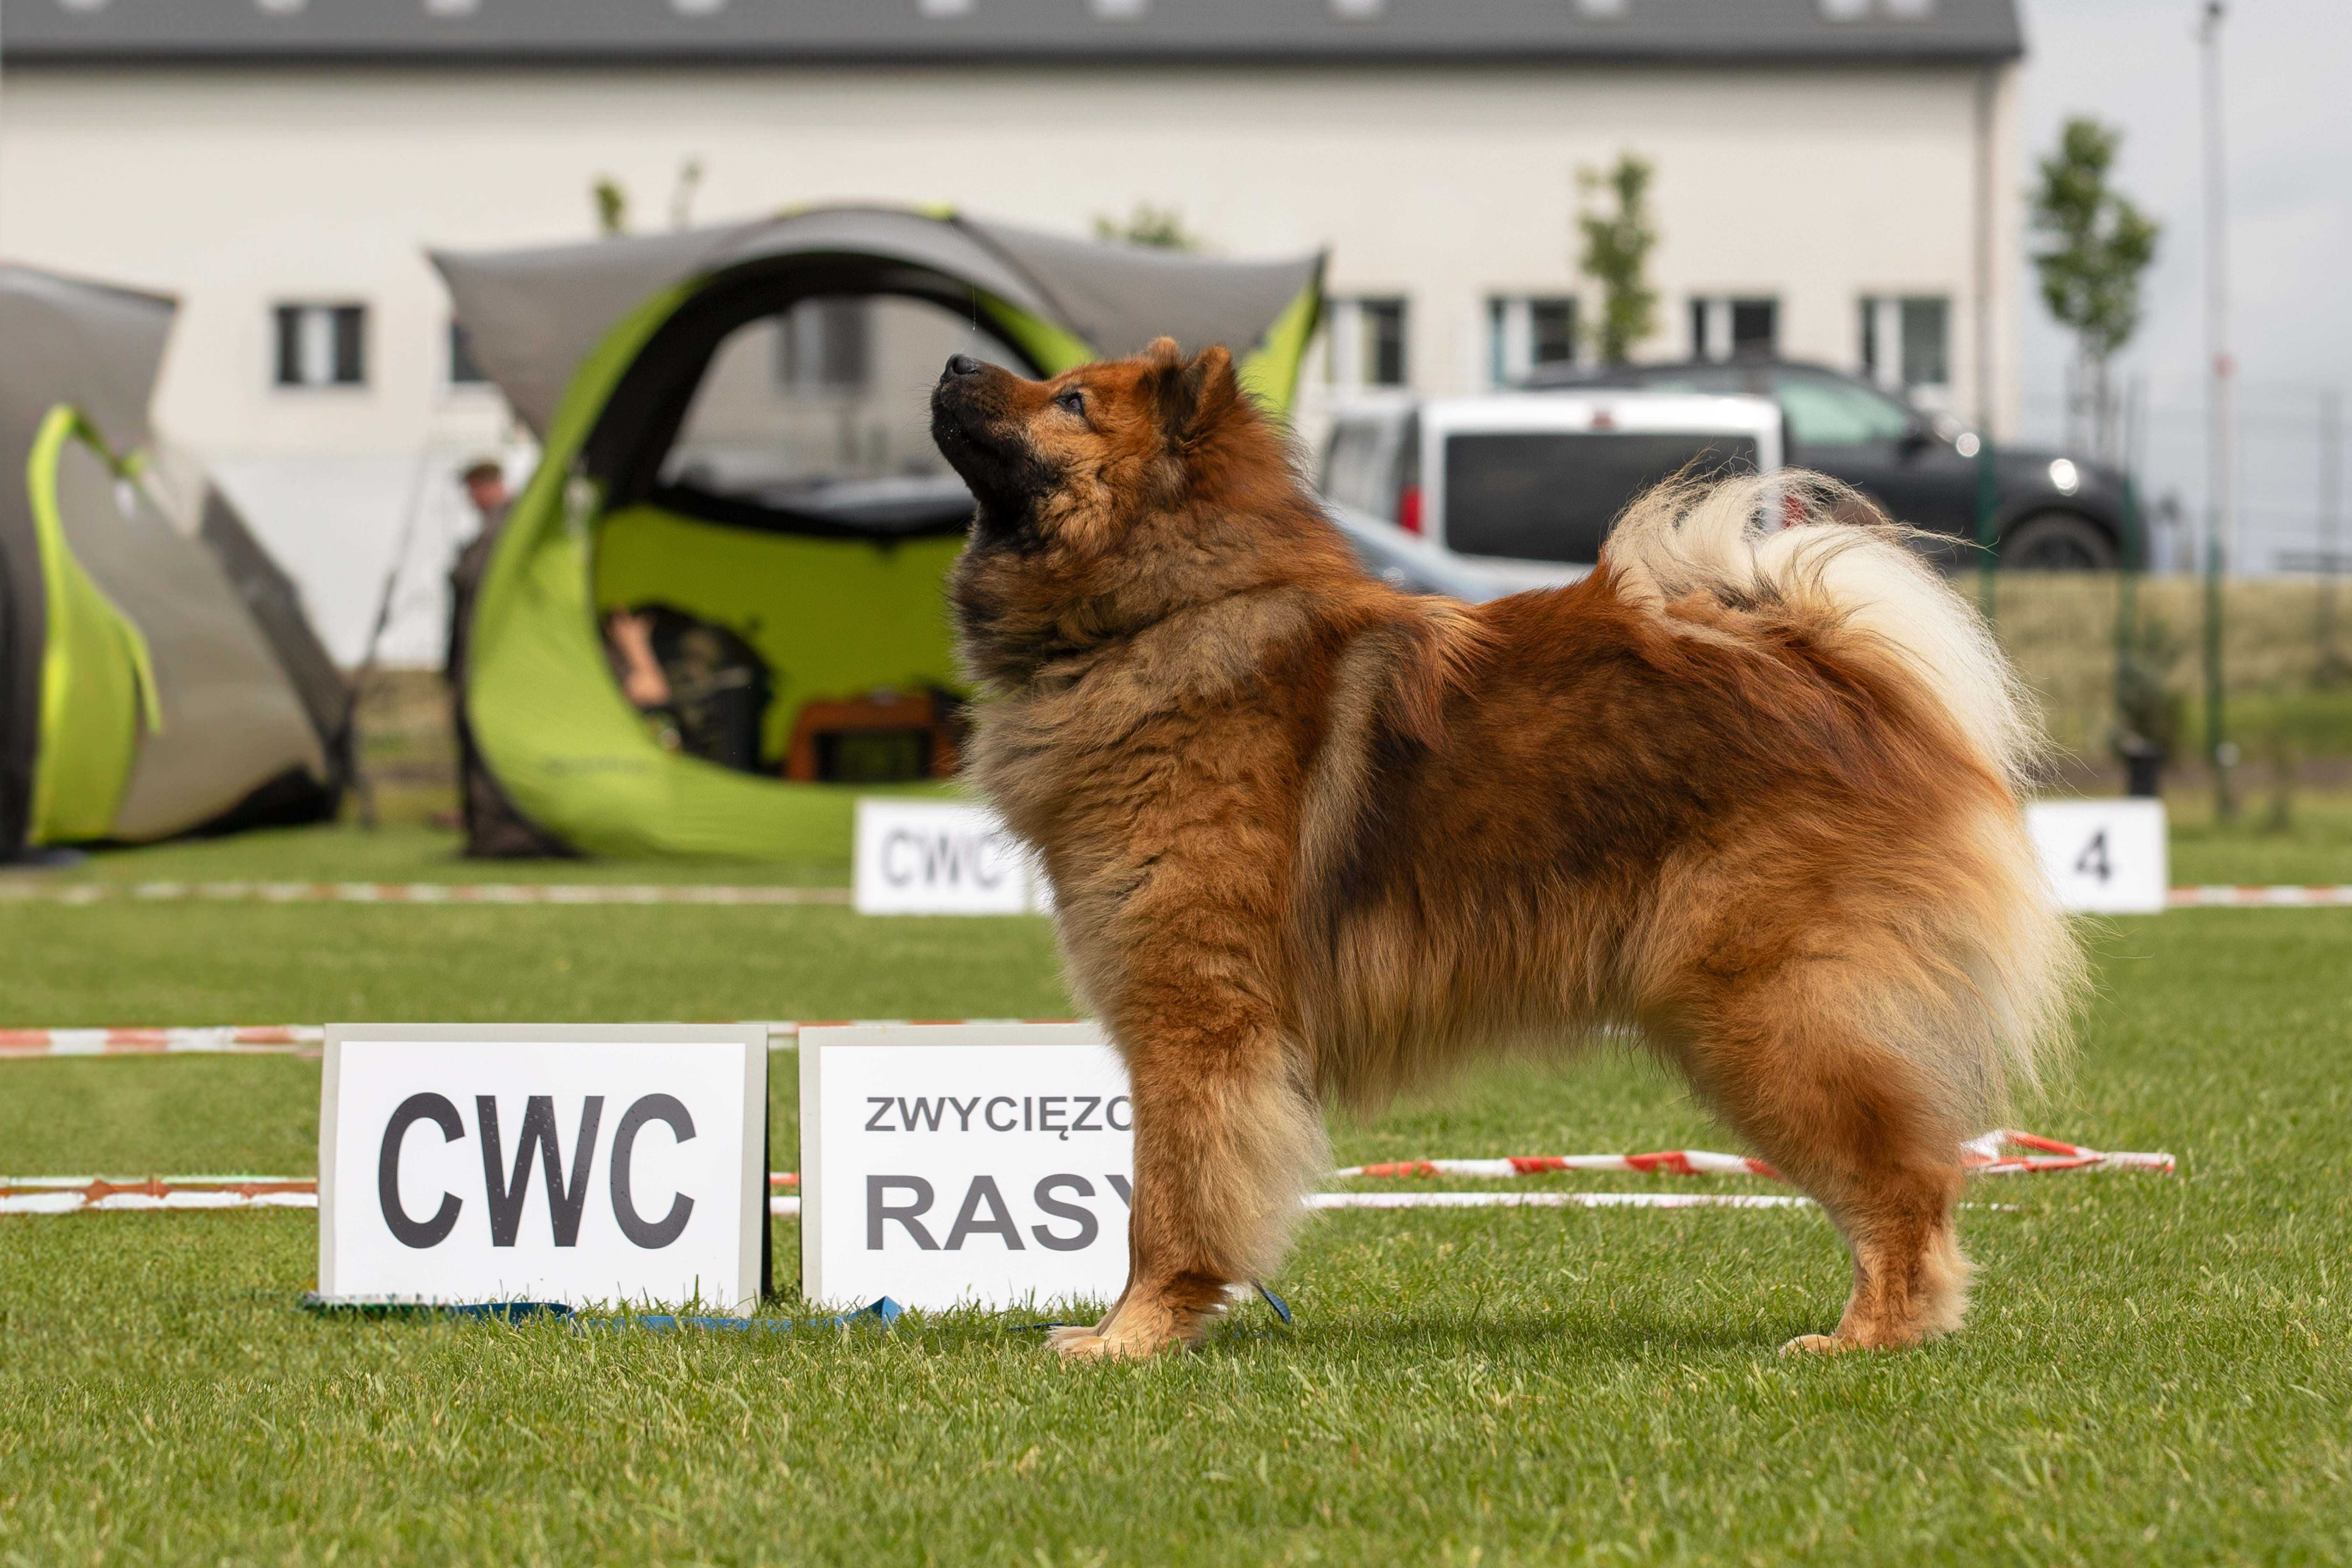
{"type": "Point", "coordinates": [2221, 455]}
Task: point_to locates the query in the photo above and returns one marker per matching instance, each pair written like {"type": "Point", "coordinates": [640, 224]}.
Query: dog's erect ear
{"type": "Point", "coordinates": [1193, 397]}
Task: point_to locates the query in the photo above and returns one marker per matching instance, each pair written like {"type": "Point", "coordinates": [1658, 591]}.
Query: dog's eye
{"type": "Point", "coordinates": [1075, 402]}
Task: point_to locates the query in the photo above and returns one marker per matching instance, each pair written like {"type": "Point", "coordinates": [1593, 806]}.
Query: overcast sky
{"type": "Point", "coordinates": [2288, 117]}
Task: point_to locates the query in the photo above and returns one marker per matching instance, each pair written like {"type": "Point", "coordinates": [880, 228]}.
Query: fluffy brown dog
{"type": "Point", "coordinates": [1750, 795]}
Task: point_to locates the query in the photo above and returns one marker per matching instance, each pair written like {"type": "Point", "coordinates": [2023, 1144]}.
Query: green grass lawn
{"type": "Point", "coordinates": [2155, 1370]}
{"type": "Point", "coordinates": [2313, 844]}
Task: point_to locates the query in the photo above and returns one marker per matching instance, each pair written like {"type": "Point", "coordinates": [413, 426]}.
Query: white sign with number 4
{"type": "Point", "coordinates": [2104, 857]}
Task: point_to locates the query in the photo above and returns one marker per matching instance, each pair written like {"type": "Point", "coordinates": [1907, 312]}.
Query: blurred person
{"type": "Point", "coordinates": [485, 485]}
{"type": "Point", "coordinates": [494, 828]}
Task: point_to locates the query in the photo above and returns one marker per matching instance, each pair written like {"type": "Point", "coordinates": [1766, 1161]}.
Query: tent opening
{"type": "Point", "coordinates": [776, 522]}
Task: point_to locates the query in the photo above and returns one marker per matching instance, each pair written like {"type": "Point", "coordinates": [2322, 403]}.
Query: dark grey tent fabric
{"type": "Point", "coordinates": [1120, 297]}
{"type": "Point", "coordinates": [275, 602]}
{"type": "Point", "coordinates": [90, 344]}
{"type": "Point", "coordinates": [241, 731]}
{"type": "Point", "coordinates": [231, 721]}
{"type": "Point", "coordinates": [531, 316]}
{"type": "Point", "coordinates": [61, 340]}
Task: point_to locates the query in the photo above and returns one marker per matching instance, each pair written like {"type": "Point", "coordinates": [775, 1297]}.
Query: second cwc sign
{"type": "Point", "coordinates": [947, 1165]}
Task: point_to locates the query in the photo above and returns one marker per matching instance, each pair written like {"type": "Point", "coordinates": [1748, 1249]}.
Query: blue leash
{"type": "Point", "coordinates": [885, 1312]}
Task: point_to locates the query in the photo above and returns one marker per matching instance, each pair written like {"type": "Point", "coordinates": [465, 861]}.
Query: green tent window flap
{"type": "Point", "coordinates": [154, 679]}
{"type": "Point", "coordinates": [736, 475]}
{"type": "Point", "coordinates": [98, 678]}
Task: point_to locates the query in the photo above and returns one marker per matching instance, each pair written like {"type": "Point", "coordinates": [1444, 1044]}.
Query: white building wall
{"type": "Point", "coordinates": [238, 188]}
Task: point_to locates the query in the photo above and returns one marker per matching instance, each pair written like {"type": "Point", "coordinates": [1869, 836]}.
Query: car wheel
{"type": "Point", "coordinates": [2058, 542]}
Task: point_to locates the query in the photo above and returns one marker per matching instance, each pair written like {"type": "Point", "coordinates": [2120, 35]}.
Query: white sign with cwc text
{"type": "Point", "coordinates": [2104, 857]}
{"type": "Point", "coordinates": [953, 1164]}
{"type": "Point", "coordinates": [582, 1163]}
{"type": "Point", "coordinates": [943, 857]}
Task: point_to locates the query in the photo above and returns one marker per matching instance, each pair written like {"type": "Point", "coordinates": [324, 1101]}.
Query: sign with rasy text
{"type": "Point", "coordinates": [618, 1165]}
{"type": "Point", "coordinates": [941, 857]}
{"type": "Point", "coordinates": [2104, 857]}
{"type": "Point", "coordinates": [954, 1164]}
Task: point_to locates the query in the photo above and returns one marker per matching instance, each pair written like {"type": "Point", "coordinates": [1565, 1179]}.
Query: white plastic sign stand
{"type": "Point", "coordinates": [2104, 857]}
{"type": "Point", "coordinates": [941, 857]}
{"type": "Point", "coordinates": [622, 1165]}
{"type": "Point", "coordinates": [964, 1165]}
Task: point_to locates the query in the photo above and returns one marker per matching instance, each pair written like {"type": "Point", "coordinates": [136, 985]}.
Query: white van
{"type": "Point", "coordinates": [1482, 496]}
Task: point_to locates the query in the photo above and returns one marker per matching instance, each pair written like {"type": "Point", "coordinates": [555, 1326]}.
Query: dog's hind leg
{"type": "Point", "coordinates": [1864, 1128]}
{"type": "Point", "coordinates": [1227, 1137]}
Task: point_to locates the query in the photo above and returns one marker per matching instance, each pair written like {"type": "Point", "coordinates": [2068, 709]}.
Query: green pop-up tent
{"type": "Point", "coordinates": [732, 423]}
{"type": "Point", "coordinates": [152, 681]}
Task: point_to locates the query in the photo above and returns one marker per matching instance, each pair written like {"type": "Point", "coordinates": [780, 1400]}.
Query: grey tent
{"type": "Point", "coordinates": [703, 468]}
{"type": "Point", "coordinates": [532, 316]}
{"type": "Point", "coordinates": [151, 683]}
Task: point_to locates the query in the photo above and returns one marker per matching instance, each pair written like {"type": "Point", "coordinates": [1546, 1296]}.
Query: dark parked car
{"type": "Point", "coordinates": [2052, 512]}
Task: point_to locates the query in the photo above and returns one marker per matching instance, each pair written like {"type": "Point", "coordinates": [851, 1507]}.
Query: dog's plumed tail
{"type": "Point", "coordinates": [1755, 542]}
{"type": "Point", "coordinates": [1997, 972]}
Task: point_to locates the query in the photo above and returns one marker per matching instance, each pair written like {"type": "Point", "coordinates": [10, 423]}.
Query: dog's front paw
{"type": "Point", "coordinates": [1077, 1342]}
{"type": "Point", "coordinates": [1817, 1345]}
{"type": "Point", "coordinates": [1122, 1336]}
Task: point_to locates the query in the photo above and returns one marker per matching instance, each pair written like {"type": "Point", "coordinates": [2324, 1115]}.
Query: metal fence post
{"type": "Point", "coordinates": [1987, 538]}
{"type": "Point", "coordinates": [2217, 745]}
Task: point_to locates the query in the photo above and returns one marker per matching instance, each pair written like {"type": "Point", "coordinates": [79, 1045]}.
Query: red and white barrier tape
{"type": "Point", "coordinates": [106, 1195]}
{"type": "Point", "coordinates": [2279, 896]}
{"type": "Point", "coordinates": [1981, 1156]}
{"type": "Point", "coordinates": [1667, 1161]}
{"type": "Point", "coordinates": [78, 1194]}
{"type": "Point", "coordinates": [22, 889]}
{"type": "Point", "coordinates": [286, 1039]}
{"type": "Point", "coordinates": [86, 1194]}
{"type": "Point", "coordinates": [243, 1039]}
{"type": "Point", "coordinates": [1556, 1200]}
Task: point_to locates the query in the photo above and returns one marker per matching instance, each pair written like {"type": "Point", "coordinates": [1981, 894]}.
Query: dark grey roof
{"type": "Point", "coordinates": [723, 31]}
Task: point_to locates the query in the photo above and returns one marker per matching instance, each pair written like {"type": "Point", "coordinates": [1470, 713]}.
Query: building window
{"type": "Point", "coordinates": [1365, 344]}
{"type": "Point", "coordinates": [1729, 326]}
{"type": "Point", "coordinates": [1524, 334]}
{"type": "Point", "coordinates": [826, 345]}
{"type": "Point", "coordinates": [463, 370]}
{"type": "Point", "coordinates": [1906, 343]}
{"type": "Point", "coordinates": [321, 346]}
{"type": "Point", "coordinates": [1383, 342]}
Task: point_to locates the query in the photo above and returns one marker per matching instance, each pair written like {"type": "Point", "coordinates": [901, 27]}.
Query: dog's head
{"type": "Point", "coordinates": [1109, 497]}
{"type": "Point", "coordinates": [1076, 461]}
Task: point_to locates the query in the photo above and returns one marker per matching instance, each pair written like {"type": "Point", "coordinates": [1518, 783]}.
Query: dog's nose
{"type": "Point", "coordinates": [961, 364]}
